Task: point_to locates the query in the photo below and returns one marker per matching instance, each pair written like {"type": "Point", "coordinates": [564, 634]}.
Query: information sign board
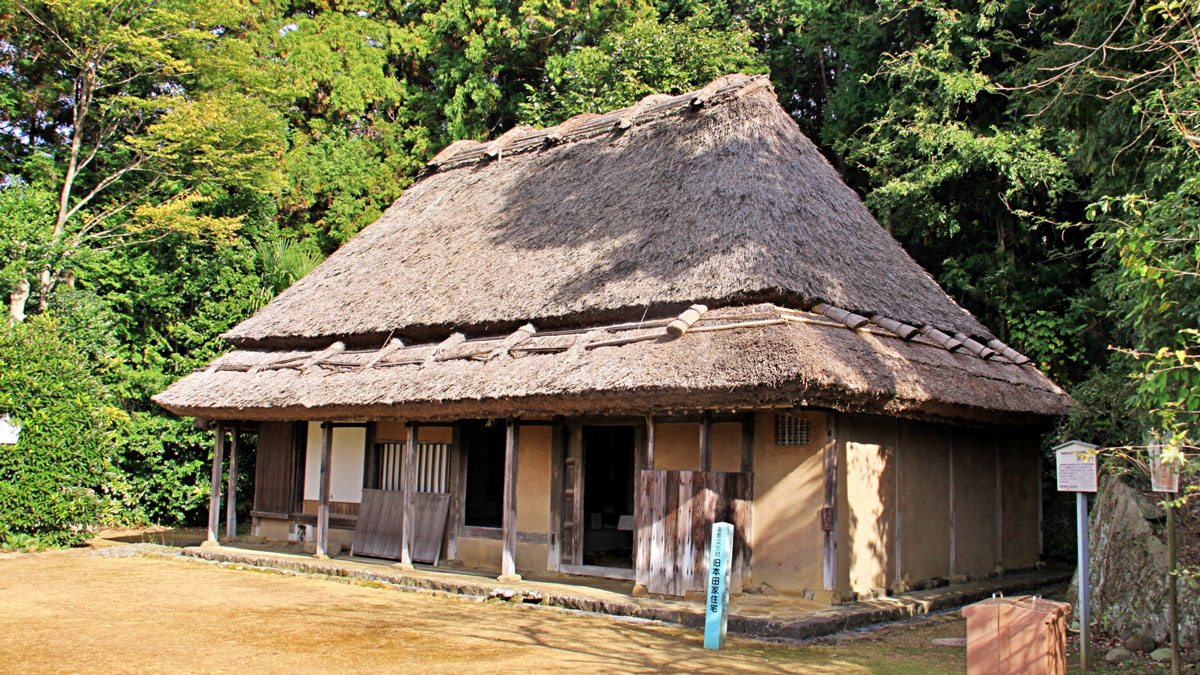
{"type": "Point", "coordinates": [1076, 463]}
{"type": "Point", "coordinates": [1163, 476]}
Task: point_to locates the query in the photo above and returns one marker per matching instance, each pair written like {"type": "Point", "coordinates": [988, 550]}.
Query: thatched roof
{"type": "Point", "coordinates": [731, 358]}
{"type": "Point", "coordinates": [586, 229]}
{"type": "Point", "coordinates": [714, 196]}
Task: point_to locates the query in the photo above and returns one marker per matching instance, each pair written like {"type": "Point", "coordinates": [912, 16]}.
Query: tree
{"type": "Point", "coordinates": [648, 57]}
{"type": "Point", "coordinates": [1129, 71]}
{"type": "Point", "coordinates": [24, 248]}
{"type": "Point", "coordinates": [59, 479]}
{"type": "Point", "coordinates": [103, 102]}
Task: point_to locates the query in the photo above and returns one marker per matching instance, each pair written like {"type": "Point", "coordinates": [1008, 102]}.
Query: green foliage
{"type": "Point", "coordinates": [283, 262]}
{"type": "Point", "coordinates": [26, 214]}
{"type": "Point", "coordinates": [648, 57]}
{"type": "Point", "coordinates": [20, 542]}
{"type": "Point", "coordinates": [59, 478]}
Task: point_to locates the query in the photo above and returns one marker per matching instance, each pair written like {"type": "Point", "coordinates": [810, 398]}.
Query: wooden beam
{"type": "Point", "coordinates": [650, 442]}
{"type": "Point", "coordinates": [231, 486]}
{"type": "Point", "coordinates": [409, 481]}
{"type": "Point", "coordinates": [748, 442]}
{"type": "Point", "coordinates": [497, 534]}
{"type": "Point", "coordinates": [214, 499]}
{"type": "Point", "coordinates": [557, 464]}
{"type": "Point", "coordinates": [706, 441]}
{"type": "Point", "coordinates": [508, 560]}
{"type": "Point", "coordinates": [325, 487]}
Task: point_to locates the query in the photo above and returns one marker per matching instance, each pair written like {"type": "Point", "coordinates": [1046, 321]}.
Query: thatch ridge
{"type": "Point", "coordinates": [714, 196]}
{"type": "Point", "coordinates": [740, 357]}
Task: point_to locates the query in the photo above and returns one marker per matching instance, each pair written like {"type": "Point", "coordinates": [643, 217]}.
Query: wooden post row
{"type": "Point", "coordinates": [231, 485]}
{"type": "Point", "coordinates": [325, 486]}
{"type": "Point", "coordinates": [508, 563]}
{"type": "Point", "coordinates": [409, 481]}
{"type": "Point", "coordinates": [214, 499]}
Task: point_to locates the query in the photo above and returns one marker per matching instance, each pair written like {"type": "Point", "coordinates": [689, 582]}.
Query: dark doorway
{"type": "Point", "coordinates": [484, 447]}
{"type": "Point", "coordinates": [608, 477]}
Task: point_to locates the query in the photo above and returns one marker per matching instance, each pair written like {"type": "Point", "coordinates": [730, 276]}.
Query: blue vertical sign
{"type": "Point", "coordinates": [720, 559]}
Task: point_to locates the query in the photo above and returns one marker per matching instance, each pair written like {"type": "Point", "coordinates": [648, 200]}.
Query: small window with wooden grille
{"type": "Point", "coordinates": [792, 430]}
{"type": "Point", "coordinates": [433, 462]}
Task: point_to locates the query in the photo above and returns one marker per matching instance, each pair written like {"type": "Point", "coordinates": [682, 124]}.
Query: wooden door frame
{"type": "Point", "coordinates": [568, 485]}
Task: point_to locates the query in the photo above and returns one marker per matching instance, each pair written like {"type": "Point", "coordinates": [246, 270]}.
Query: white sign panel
{"type": "Point", "coordinates": [1076, 467]}
{"type": "Point", "coordinates": [1163, 477]}
{"type": "Point", "coordinates": [10, 431]}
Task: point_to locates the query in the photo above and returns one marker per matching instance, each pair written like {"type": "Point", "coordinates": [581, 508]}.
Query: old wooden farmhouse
{"type": "Point", "coordinates": [572, 349]}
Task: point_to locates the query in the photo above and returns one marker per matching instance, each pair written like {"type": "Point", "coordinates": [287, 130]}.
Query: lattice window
{"type": "Point", "coordinates": [433, 463]}
{"type": "Point", "coordinates": [792, 430]}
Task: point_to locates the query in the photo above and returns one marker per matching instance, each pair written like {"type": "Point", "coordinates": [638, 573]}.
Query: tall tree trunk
{"type": "Point", "coordinates": [16, 302]}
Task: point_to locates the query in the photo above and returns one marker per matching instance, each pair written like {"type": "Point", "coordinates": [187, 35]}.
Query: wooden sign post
{"type": "Point", "coordinates": [716, 613]}
{"type": "Point", "coordinates": [1076, 464]}
{"type": "Point", "coordinates": [1164, 478]}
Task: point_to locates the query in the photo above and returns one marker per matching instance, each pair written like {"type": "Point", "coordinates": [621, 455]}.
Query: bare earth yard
{"type": "Point", "coordinates": [71, 611]}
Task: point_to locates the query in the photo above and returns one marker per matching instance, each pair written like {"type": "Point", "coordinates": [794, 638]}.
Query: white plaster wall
{"type": "Point", "coordinates": [346, 478]}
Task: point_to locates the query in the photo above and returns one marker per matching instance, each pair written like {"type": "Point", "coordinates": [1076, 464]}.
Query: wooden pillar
{"type": "Point", "coordinates": [231, 486]}
{"type": "Point", "coordinates": [829, 512]}
{"type": "Point", "coordinates": [409, 480]}
{"type": "Point", "coordinates": [325, 486]}
{"type": "Point", "coordinates": [953, 543]}
{"type": "Point", "coordinates": [370, 459]}
{"type": "Point", "coordinates": [458, 490]}
{"type": "Point", "coordinates": [214, 499]}
{"type": "Point", "coordinates": [650, 442]}
{"type": "Point", "coordinates": [508, 560]}
{"type": "Point", "coordinates": [706, 441]}
{"type": "Point", "coordinates": [748, 442]}
{"type": "Point", "coordinates": [898, 458]}
{"type": "Point", "coordinates": [999, 511]}
{"type": "Point", "coordinates": [557, 466]}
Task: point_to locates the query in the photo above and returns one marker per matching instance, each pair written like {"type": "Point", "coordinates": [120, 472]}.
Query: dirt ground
{"type": "Point", "coordinates": [81, 610]}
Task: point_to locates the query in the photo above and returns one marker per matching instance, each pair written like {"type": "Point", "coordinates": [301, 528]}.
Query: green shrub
{"type": "Point", "coordinates": [56, 482]}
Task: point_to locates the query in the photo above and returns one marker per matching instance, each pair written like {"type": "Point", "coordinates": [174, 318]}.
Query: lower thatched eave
{"type": "Point", "coordinates": [731, 360]}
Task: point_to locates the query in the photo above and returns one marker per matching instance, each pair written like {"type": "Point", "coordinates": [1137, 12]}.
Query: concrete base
{"type": "Point", "coordinates": [640, 591]}
{"type": "Point", "coordinates": [407, 567]}
{"type": "Point", "coordinates": [320, 556]}
{"type": "Point", "coordinates": [508, 578]}
{"type": "Point", "coordinates": [210, 544]}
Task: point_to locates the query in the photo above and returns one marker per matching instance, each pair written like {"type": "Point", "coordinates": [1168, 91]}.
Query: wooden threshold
{"type": "Point", "coordinates": [623, 573]}
{"type": "Point", "coordinates": [496, 533]}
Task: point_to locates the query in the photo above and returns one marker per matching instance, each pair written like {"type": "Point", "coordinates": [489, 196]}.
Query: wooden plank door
{"type": "Point", "coordinates": [674, 527]}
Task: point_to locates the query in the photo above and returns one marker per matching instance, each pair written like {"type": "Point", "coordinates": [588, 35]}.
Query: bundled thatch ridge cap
{"type": "Point", "coordinates": [587, 125]}
{"type": "Point", "coordinates": [731, 358]}
{"type": "Point", "coordinates": [713, 196]}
